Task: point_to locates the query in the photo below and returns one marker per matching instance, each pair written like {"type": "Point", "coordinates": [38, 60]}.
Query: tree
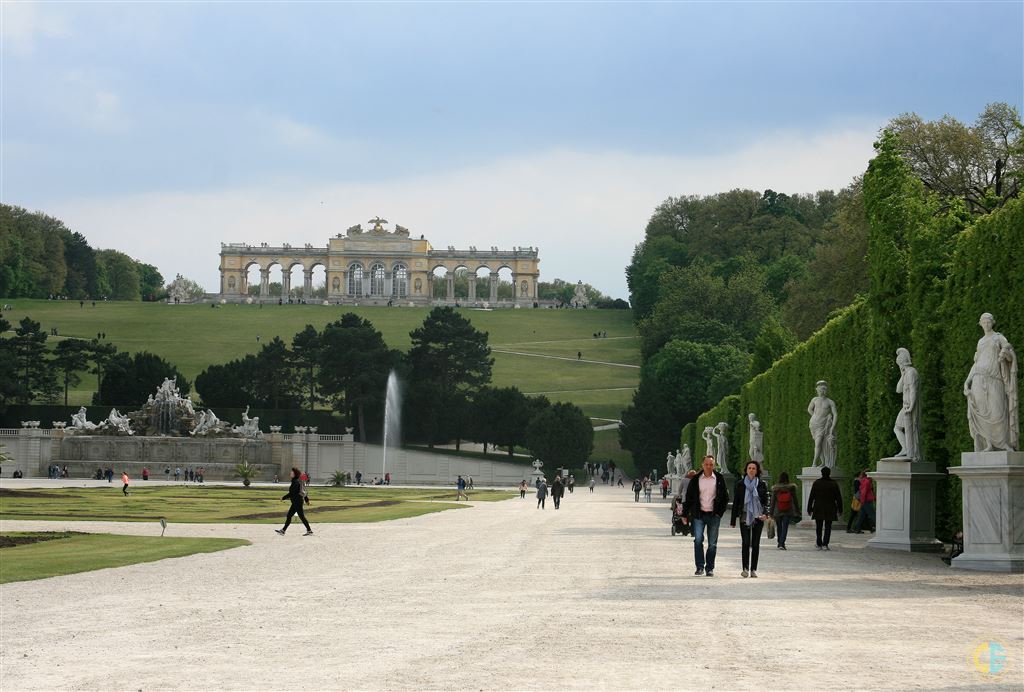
{"type": "Point", "coordinates": [130, 380]}
{"type": "Point", "coordinates": [449, 354]}
{"type": "Point", "coordinates": [772, 342]}
{"type": "Point", "coordinates": [230, 385]}
{"type": "Point", "coordinates": [151, 282]}
{"type": "Point", "coordinates": [561, 434]}
{"type": "Point", "coordinates": [305, 353]}
{"type": "Point", "coordinates": [354, 366]}
{"type": "Point", "coordinates": [100, 355]}
{"type": "Point", "coordinates": [118, 275]}
{"type": "Point", "coordinates": [71, 356]}
{"type": "Point", "coordinates": [29, 347]}
{"type": "Point", "coordinates": [500, 416]}
{"type": "Point", "coordinates": [980, 163]}
{"type": "Point", "coordinates": [8, 367]}
{"type": "Point", "coordinates": [274, 375]}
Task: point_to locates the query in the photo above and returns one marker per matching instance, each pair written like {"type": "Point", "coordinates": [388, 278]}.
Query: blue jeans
{"type": "Point", "coordinates": [782, 528]}
{"type": "Point", "coordinates": [867, 509]}
{"type": "Point", "coordinates": [711, 521]}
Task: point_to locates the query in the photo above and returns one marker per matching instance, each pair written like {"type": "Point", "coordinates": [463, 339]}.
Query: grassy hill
{"type": "Point", "coordinates": [535, 350]}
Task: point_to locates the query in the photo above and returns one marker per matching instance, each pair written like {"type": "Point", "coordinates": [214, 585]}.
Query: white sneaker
{"type": "Point", "coordinates": [753, 574]}
{"type": "Point", "coordinates": [308, 533]}
{"type": "Point", "coordinates": [280, 531]}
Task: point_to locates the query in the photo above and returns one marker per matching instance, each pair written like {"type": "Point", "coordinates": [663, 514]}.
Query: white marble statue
{"type": "Point", "coordinates": [722, 438]}
{"type": "Point", "coordinates": [991, 391]}
{"type": "Point", "coordinates": [168, 390]}
{"type": "Point", "coordinates": [822, 411]}
{"type": "Point", "coordinates": [670, 462]}
{"type": "Point", "coordinates": [119, 423]}
{"type": "Point", "coordinates": [80, 422]}
{"type": "Point", "coordinates": [579, 298]}
{"type": "Point", "coordinates": [908, 420]}
{"type": "Point", "coordinates": [756, 445]}
{"type": "Point", "coordinates": [709, 438]}
{"type": "Point", "coordinates": [683, 460]}
{"type": "Point", "coordinates": [250, 427]}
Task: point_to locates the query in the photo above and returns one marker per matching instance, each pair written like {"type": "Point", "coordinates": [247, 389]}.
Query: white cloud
{"type": "Point", "coordinates": [24, 22]}
{"type": "Point", "coordinates": [89, 100]}
{"type": "Point", "coordinates": [585, 210]}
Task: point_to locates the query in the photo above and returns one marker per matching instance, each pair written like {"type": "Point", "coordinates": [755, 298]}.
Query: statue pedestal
{"type": "Point", "coordinates": [993, 511]}
{"type": "Point", "coordinates": [808, 475]}
{"type": "Point", "coordinates": [905, 505]}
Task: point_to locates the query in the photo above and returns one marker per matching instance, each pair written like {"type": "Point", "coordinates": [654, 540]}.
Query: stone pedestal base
{"type": "Point", "coordinates": [807, 476]}
{"type": "Point", "coordinates": [905, 508]}
{"type": "Point", "coordinates": [993, 508]}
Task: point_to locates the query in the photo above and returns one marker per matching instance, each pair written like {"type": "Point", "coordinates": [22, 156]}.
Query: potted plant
{"type": "Point", "coordinates": [246, 472]}
{"type": "Point", "coordinates": [339, 478]}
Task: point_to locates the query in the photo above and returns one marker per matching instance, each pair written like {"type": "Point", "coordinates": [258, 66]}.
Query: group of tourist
{"type": "Point", "coordinates": [192, 475]}
{"type": "Point", "coordinates": [54, 472]}
{"type": "Point", "coordinates": [557, 489]}
{"type": "Point", "coordinates": [753, 508]}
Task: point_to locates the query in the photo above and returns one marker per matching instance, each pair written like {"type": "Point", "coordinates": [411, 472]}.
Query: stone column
{"type": "Point", "coordinates": [450, 287]}
{"type": "Point", "coordinates": [307, 284]}
{"type": "Point", "coordinates": [993, 511]}
{"type": "Point", "coordinates": [264, 283]}
{"type": "Point", "coordinates": [472, 288]}
{"type": "Point", "coordinates": [494, 287]}
{"type": "Point", "coordinates": [905, 505]}
{"type": "Point", "coordinates": [286, 284]}
{"type": "Point", "coordinates": [366, 283]}
{"type": "Point", "coordinates": [389, 284]}
{"type": "Point", "coordinates": [430, 286]}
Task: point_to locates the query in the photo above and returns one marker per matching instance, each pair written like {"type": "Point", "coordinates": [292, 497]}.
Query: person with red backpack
{"type": "Point", "coordinates": [784, 508]}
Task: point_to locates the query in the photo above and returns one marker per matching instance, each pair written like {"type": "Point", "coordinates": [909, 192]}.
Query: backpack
{"type": "Point", "coordinates": [784, 500]}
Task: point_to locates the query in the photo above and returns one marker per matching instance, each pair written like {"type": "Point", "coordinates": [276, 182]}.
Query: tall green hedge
{"type": "Point", "coordinates": [780, 397]}
{"type": "Point", "coordinates": [689, 437]}
{"type": "Point", "coordinates": [727, 410]}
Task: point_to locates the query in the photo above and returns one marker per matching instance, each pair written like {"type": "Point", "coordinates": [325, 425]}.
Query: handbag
{"type": "Point", "coordinates": [855, 504]}
{"type": "Point", "coordinates": [771, 527]}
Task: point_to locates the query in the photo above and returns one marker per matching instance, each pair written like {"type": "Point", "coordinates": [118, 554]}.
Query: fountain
{"type": "Point", "coordinates": [392, 420]}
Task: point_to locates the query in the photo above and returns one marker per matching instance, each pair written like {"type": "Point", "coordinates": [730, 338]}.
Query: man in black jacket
{"type": "Point", "coordinates": [705, 503]}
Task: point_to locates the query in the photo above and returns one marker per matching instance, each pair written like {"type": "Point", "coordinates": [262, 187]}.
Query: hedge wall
{"type": "Point", "coordinates": [780, 397]}
{"type": "Point", "coordinates": [728, 410]}
{"type": "Point", "coordinates": [689, 437]}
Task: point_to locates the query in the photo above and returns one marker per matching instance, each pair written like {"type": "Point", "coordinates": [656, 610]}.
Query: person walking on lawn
{"type": "Point", "coordinates": [124, 479]}
{"type": "Point", "coordinates": [297, 494]}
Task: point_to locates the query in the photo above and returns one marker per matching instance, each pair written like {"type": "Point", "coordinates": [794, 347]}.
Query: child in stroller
{"type": "Point", "coordinates": [678, 527]}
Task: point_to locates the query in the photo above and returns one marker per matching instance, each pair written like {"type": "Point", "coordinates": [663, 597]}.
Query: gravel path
{"type": "Point", "coordinates": [596, 595]}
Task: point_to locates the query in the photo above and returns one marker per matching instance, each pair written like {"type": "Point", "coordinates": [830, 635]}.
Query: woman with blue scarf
{"type": "Point", "coordinates": [748, 505]}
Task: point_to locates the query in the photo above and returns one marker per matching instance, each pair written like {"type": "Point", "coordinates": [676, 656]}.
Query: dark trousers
{"type": "Point", "coordinates": [540, 502]}
{"type": "Point", "coordinates": [292, 511]}
{"type": "Point", "coordinates": [125, 489]}
{"type": "Point", "coordinates": [782, 528]}
{"type": "Point", "coordinates": [522, 494]}
{"type": "Point", "coordinates": [822, 532]}
{"type": "Point", "coordinates": [636, 497]}
{"type": "Point", "coordinates": [557, 499]}
{"type": "Point", "coordinates": [751, 537]}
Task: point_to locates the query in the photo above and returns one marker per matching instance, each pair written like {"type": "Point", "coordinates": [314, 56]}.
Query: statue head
{"type": "Point", "coordinates": [902, 357]}
{"type": "Point", "coordinates": [751, 417]}
{"type": "Point", "coordinates": [822, 387]}
{"type": "Point", "coordinates": [987, 321]}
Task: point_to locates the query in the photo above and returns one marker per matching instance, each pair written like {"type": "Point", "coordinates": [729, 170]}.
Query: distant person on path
{"type": "Point", "coordinates": [177, 473]}
{"type": "Point", "coordinates": [167, 473]}
{"type": "Point", "coordinates": [867, 503]}
{"type": "Point", "coordinates": [648, 489]}
{"type": "Point", "coordinates": [571, 483]}
{"type": "Point", "coordinates": [296, 493]}
{"type": "Point", "coordinates": [592, 483]}
{"type": "Point", "coordinates": [637, 487]}
{"type": "Point", "coordinates": [854, 503]}
{"type": "Point", "coordinates": [620, 480]}
{"type": "Point", "coordinates": [557, 491]}
{"type": "Point", "coordinates": [124, 480]}
{"type": "Point", "coordinates": [579, 355]}
{"type": "Point", "coordinates": [145, 473]}
{"type": "Point", "coordinates": [706, 500]}
{"type": "Point", "coordinates": [542, 492]}
{"type": "Point", "coordinates": [748, 505]}
{"type": "Point", "coordinates": [783, 508]}
{"type": "Point", "coordinates": [460, 489]}
{"type": "Point", "coordinates": [470, 484]}
{"type": "Point", "coordinates": [664, 488]}
{"type": "Point", "coordinates": [387, 478]}
{"type": "Point", "coordinates": [522, 489]}
{"type": "Point", "coordinates": [824, 504]}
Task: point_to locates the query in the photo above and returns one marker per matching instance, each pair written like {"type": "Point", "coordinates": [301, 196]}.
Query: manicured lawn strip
{"type": "Point", "coordinates": [86, 552]}
{"type": "Point", "coordinates": [211, 504]}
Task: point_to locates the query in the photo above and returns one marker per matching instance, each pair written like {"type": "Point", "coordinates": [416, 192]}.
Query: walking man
{"type": "Point", "coordinates": [824, 504]}
{"type": "Point", "coordinates": [460, 489]}
{"type": "Point", "coordinates": [557, 491]}
{"type": "Point", "coordinates": [297, 494]}
{"type": "Point", "coordinates": [542, 492]}
{"type": "Point", "coordinates": [705, 503]}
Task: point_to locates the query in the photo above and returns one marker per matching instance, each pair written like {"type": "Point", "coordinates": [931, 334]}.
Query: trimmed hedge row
{"type": "Point", "coordinates": [953, 274]}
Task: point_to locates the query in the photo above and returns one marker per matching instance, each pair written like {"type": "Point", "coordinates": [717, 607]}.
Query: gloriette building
{"type": "Point", "coordinates": [375, 266]}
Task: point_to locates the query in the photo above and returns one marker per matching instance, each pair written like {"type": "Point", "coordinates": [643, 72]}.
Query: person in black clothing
{"type": "Point", "coordinates": [824, 504]}
{"type": "Point", "coordinates": [296, 493]}
{"type": "Point", "coordinates": [557, 491]}
{"type": "Point", "coordinates": [749, 506]}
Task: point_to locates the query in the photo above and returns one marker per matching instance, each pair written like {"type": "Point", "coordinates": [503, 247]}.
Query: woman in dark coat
{"type": "Point", "coordinates": [749, 506]}
{"type": "Point", "coordinates": [824, 504]}
{"type": "Point", "coordinates": [297, 495]}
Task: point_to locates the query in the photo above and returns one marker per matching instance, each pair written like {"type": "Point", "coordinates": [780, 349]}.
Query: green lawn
{"type": "Point", "coordinates": [195, 336]}
{"type": "Point", "coordinates": [68, 553]}
{"type": "Point", "coordinates": [213, 504]}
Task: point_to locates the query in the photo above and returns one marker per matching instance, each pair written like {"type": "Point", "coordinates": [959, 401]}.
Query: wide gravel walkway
{"type": "Point", "coordinates": [596, 595]}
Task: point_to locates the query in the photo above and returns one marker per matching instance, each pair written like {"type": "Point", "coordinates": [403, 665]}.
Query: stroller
{"type": "Point", "coordinates": [679, 528]}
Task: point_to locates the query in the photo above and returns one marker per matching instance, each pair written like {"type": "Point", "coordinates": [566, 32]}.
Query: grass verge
{"type": "Point", "coordinates": [54, 554]}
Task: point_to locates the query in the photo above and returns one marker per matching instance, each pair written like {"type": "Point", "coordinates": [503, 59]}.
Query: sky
{"type": "Point", "coordinates": [164, 129]}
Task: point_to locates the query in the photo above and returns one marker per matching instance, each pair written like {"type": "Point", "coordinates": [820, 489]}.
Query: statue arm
{"type": "Point", "coordinates": [835, 417]}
